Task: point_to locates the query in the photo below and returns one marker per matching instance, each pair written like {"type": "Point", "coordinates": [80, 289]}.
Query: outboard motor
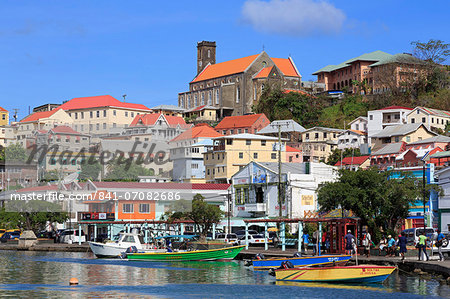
{"type": "Point", "coordinates": [297, 254]}
{"type": "Point", "coordinates": [259, 256]}
{"type": "Point", "coordinates": [131, 249]}
{"type": "Point", "coordinates": [286, 265]}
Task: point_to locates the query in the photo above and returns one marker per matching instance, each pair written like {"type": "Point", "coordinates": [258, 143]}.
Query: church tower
{"type": "Point", "coordinates": [206, 53]}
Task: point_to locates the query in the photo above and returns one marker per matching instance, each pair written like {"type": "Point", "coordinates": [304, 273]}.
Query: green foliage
{"type": "Point", "coordinates": [126, 172]}
{"type": "Point", "coordinates": [344, 112]}
{"type": "Point", "coordinates": [203, 214]}
{"type": "Point", "coordinates": [2, 153]}
{"type": "Point", "coordinates": [90, 171]}
{"type": "Point", "coordinates": [380, 202]}
{"type": "Point", "coordinates": [15, 153]}
{"type": "Point", "coordinates": [335, 155]}
{"type": "Point", "coordinates": [302, 108]}
{"type": "Point", "coordinates": [50, 176]}
{"type": "Point", "coordinates": [435, 51]}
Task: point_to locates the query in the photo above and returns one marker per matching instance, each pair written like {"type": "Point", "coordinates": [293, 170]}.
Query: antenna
{"type": "Point", "coordinates": [263, 47]}
{"type": "Point", "coordinates": [15, 114]}
{"type": "Point", "coordinates": [124, 96]}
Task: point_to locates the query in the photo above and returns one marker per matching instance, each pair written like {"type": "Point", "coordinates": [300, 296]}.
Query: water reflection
{"type": "Point", "coordinates": [41, 274]}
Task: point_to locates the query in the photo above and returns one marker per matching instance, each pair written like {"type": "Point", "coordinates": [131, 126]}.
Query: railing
{"type": "Point", "coordinates": [220, 147]}
{"type": "Point", "coordinates": [255, 207]}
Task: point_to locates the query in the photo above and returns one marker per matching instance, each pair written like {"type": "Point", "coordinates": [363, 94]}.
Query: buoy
{"type": "Point", "coordinates": [73, 281]}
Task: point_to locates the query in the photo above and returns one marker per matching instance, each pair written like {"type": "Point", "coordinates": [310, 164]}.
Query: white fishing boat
{"type": "Point", "coordinates": [114, 249]}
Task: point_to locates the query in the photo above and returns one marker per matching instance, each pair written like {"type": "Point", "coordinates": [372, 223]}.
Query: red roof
{"type": "Point", "coordinates": [200, 130]}
{"type": "Point", "coordinates": [3, 109]}
{"type": "Point", "coordinates": [292, 149]}
{"type": "Point", "coordinates": [239, 65]}
{"type": "Point", "coordinates": [151, 118]}
{"type": "Point", "coordinates": [99, 101]}
{"type": "Point", "coordinates": [137, 185]}
{"type": "Point", "coordinates": [352, 161]}
{"type": "Point", "coordinates": [297, 91]}
{"type": "Point", "coordinates": [264, 73]}
{"type": "Point", "coordinates": [358, 132]}
{"type": "Point", "coordinates": [39, 188]}
{"type": "Point", "coordinates": [396, 107]}
{"type": "Point", "coordinates": [38, 115]}
{"type": "Point", "coordinates": [65, 130]}
{"type": "Point", "coordinates": [239, 121]}
{"type": "Point", "coordinates": [174, 120]}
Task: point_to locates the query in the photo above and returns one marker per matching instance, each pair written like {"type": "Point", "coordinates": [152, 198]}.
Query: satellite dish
{"type": "Point", "coordinates": [70, 178]}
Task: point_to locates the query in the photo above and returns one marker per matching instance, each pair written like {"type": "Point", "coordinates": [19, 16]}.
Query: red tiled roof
{"type": "Point", "coordinates": [358, 132]}
{"type": "Point", "coordinates": [200, 130]}
{"type": "Point", "coordinates": [174, 120]}
{"type": "Point", "coordinates": [352, 161]}
{"type": "Point", "coordinates": [38, 115]}
{"type": "Point", "coordinates": [264, 73]}
{"type": "Point", "coordinates": [297, 91]}
{"type": "Point", "coordinates": [65, 130]}
{"type": "Point", "coordinates": [395, 107]}
{"type": "Point", "coordinates": [39, 188]}
{"type": "Point", "coordinates": [286, 66]}
{"type": "Point", "coordinates": [239, 121]}
{"type": "Point", "coordinates": [239, 65]}
{"type": "Point", "coordinates": [151, 118]}
{"type": "Point", "coordinates": [3, 109]}
{"type": "Point", "coordinates": [99, 101]}
{"type": "Point", "coordinates": [137, 185]}
{"type": "Point", "coordinates": [292, 149]}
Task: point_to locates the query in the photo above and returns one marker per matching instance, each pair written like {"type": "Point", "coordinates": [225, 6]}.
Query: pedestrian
{"type": "Point", "coordinates": [391, 246]}
{"type": "Point", "coordinates": [324, 240]}
{"type": "Point", "coordinates": [423, 246]}
{"type": "Point", "coordinates": [349, 240]}
{"type": "Point", "coordinates": [305, 242]}
{"type": "Point", "coordinates": [315, 240]}
{"type": "Point", "coordinates": [440, 238]}
{"type": "Point", "coordinates": [382, 245]}
{"type": "Point", "coordinates": [366, 242]}
{"type": "Point", "coordinates": [402, 244]}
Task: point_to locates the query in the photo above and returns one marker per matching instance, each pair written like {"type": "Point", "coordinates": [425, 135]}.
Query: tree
{"type": "Point", "coordinates": [379, 200]}
{"type": "Point", "coordinates": [203, 215]}
{"type": "Point", "coordinates": [126, 172]}
{"type": "Point", "coordinates": [2, 153]}
{"type": "Point", "coordinates": [90, 171]}
{"type": "Point", "coordinates": [15, 153]}
{"type": "Point", "coordinates": [336, 155]}
{"type": "Point", "coordinates": [435, 51]}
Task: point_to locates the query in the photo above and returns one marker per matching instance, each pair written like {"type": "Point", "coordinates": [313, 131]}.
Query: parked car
{"type": "Point", "coordinates": [252, 239]}
{"type": "Point", "coordinates": [45, 235]}
{"type": "Point", "coordinates": [58, 235]}
{"type": "Point", "coordinates": [227, 238]}
{"type": "Point", "coordinates": [8, 236]}
{"type": "Point", "coordinates": [241, 232]}
{"type": "Point", "coordinates": [2, 231]}
{"type": "Point", "coordinates": [72, 236]}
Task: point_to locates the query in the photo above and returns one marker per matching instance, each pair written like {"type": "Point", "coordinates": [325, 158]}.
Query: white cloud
{"type": "Point", "coordinates": [293, 17]}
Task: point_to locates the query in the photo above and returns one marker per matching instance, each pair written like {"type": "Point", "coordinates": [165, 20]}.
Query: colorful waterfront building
{"type": "Point", "coordinates": [4, 117]}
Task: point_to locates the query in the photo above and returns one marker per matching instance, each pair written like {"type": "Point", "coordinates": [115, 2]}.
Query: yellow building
{"type": "Point", "coordinates": [100, 114]}
{"type": "Point", "coordinates": [318, 143]}
{"type": "Point", "coordinates": [203, 113]}
{"type": "Point", "coordinates": [232, 152]}
{"type": "Point", "coordinates": [169, 110]}
{"type": "Point", "coordinates": [4, 117]}
{"type": "Point", "coordinates": [402, 133]}
{"type": "Point", "coordinates": [432, 118]}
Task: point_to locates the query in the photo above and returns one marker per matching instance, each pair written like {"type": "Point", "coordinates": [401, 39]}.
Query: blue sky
{"type": "Point", "coordinates": [53, 51]}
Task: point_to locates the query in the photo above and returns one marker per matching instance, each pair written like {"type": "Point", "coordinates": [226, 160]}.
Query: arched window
{"type": "Point", "coordinates": [238, 94]}
{"type": "Point", "coordinates": [210, 98]}
{"type": "Point", "coordinates": [209, 53]}
{"type": "Point", "coordinates": [203, 98]}
{"type": "Point", "coordinates": [217, 96]}
{"type": "Point", "coordinates": [195, 101]}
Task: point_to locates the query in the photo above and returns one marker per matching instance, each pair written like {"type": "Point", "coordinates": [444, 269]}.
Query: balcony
{"type": "Point", "coordinates": [220, 147]}
{"type": "Point", "coordinates": [255, 207]}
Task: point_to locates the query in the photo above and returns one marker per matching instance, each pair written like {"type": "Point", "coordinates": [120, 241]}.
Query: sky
{"type": "Point", "coordinates": [53, 51]}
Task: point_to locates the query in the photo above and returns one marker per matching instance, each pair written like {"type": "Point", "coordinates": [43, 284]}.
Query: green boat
{"type": "Point", "coordinates": [194, 255]}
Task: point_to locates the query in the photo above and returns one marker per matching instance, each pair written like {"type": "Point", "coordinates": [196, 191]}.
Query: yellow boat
{"type": "Point", "coordinates": [350, 274]}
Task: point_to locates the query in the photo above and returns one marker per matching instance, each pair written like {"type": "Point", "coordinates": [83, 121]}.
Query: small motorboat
{"type": "Point", "coordinates": [114, 249]}
{"type": "Point", "coordinates": [345, 274]}
{"type": "Point", "coordinates": [261, 263]}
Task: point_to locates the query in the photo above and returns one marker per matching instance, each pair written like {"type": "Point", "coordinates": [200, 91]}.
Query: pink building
{"type": "Point", "coordinates": [293, 155]}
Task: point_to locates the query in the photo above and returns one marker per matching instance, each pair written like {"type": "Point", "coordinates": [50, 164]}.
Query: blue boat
{"type": "Point", "coordinates": [265, 264]}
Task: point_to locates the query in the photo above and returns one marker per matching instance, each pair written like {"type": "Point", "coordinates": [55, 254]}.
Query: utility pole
{"type": "Point", "coordinates": [15, 114]}
{"type": "Point", "coordinates": [424, 194]}
{"type": "Point", "coordinates": [229, 211]}
{"type": "Point", "coordinates": [279, 124]}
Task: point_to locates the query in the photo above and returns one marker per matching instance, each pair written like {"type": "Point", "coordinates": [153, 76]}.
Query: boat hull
{"type": "Point", "coordinates": [106, 251]}
{"type": "Point", "coordinates": [195, 255]}
{"type": "Point", "coordinates": [266, 264]}
{"type": "Point", "coordinates": [350, 274]}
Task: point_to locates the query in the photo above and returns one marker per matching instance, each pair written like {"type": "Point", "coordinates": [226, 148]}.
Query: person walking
{"type": "Point", "coordinates": [440, 237]}
{"type": "Point", "coordinates": [402, 244]}
{"type": "Point", "coordinates": [305, 242]}
{"type": "Point", "coordinates": [366, 242]}
{"type": "Point", "coordinates": [349, 240]}
{"type": "Point", "coordinates": [423, 246]}
{"type": "Point", "coordinates": [315, 240]}
{"type": "Point", "coordinates": [391, 246]}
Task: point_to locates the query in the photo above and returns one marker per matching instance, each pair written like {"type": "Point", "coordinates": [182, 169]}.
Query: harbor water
{"type": "Point", "coordinates": [47, 274]}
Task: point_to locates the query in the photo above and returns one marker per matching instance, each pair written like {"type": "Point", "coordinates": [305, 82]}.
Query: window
{"type": "Point", "coordinates": [371, 117]}
{"type": "Point", "coordinates": [224, 132]}
{"type": "Point", "coordinates": [432, 120]}
{"type": "Point", "coordinates": [104, 126]}
{"type": "Point", "coordinates": [307, 136]}
{"type": "Point", "coordinates": [246, 130]}
{"type": "Point", "coordinates": [413, 120]}
{"type": "Point", "coordinates": [217, 96]}
{"type": "Point", "coordinates": [203, 98]}
{"type": "Point", "coordinates": [273, 155]}
{"type": "Point", "coordinates": [76, 115]}
{"type": "Point", "coordinates": [98, 127]}
{"type": "Point", "coordinates": [408, 138]}
{"type": "Point", "coordinates": [248, 142]}
{"type": "Point", "coordinates": [209, 53]}
{"type": "Point", "coordinates": [104, 113]}
{"type": "Point", "coordinates": [424, 119]}
{"type": "Point", "coordinates": [98, 113]}
{"type": "Point", "coordinates": [316, 135]}
{"type": "Point", "coordinates": [255, 155]}
{"type": "Point", "coordinates": [241, 155]}
{"type": "Point", "coordinates": [114, 125]}
{"type": "Point", "coordinates": [91, 114]}
{"type": "Point", "coordinates": [238, 94]}
{"type": "Point", "coordinates": [239, 131]}
{"type": "Point", "coordinates": [128, 208]}
{"type": "Point", "coordinates": [397, 139]}
{"type": "Point", "coordinates": [144, 208]}
{"type": "Point", "coordinates": [91, 127]}
{"type": "Point", "coordinates": [290, 159]}
{"type": "Point", "coordinates": [229, 141]}
{"type": "Point", "coordinates": [324, 135]}
{"type": "Point", "coordinates": [210, 98]}
{"type": "Point", "coordinates": [208, 171]}
{"type": "Point", "coordinates": [418, 111]}
{"type": "Point", "coordinates": [231, 131]}
{"type": "Point", "coordinates": [195, 100]}
{"type": "Point", "coordinates": [263, 143]}
{"type": "Point", "coordinates": [126, 113]}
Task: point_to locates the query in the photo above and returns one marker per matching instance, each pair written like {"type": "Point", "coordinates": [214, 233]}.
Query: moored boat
{"type": "Point", "coordinates": [271, 263]}
{"type": "Point", "coordinates": [346, 274]}
{"type": "Point", "coordinates": [114, 249]}
{"type": "Point", "coordinates": [192, 255]}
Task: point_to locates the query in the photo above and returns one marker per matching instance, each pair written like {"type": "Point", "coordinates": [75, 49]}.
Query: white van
{"type": "Point", "coordinates": [70, 236]}
{"type": "Point", "coordinates": [412, 234]}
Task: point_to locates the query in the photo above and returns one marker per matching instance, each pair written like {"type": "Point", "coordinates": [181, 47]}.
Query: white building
{"type": "Point", "coordinates": [359, 124]}
{"type": "Point", "coordinates": [432, 118]}
{"type": "Point", "coordinates": [351, 139]}
{"type": "Point", "coordinates": [377, 120]}
{"type": "Point", "coordinates": [255, 188]}
{"type": "Point", "coordinates": [444, 201]}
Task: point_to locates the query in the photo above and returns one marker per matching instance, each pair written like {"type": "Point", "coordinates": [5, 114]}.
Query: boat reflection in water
{"type": "Point", "coordinates": [349, 286]}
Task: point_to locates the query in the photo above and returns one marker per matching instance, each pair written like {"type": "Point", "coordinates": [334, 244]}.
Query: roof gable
{"type": "Point", "coordinates": [38, 115]}
{"type": "Point", "coordinates": [3, 109]}
{"type": "Point", "coordinates": [239, 121]}
{"type": "Point", "coordinates": [352, 160]}
{"type": "Point", "coordinates": [198, 131]}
